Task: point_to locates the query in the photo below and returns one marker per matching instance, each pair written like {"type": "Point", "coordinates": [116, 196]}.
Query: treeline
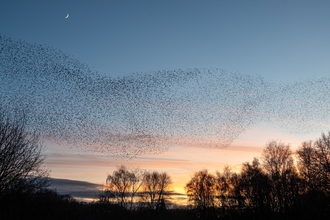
{"type": "Point", "coordinates": [280, 185]}
{"type": "Point", "coordinates": [129, 192]}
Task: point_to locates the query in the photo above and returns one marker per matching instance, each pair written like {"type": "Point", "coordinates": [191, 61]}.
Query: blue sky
{"type": "Point", "coordinates": [283, 42]}
{"type": "Point", "coordinates": [279, 40]}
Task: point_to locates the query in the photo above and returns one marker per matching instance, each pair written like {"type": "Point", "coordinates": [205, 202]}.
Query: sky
{"type": "Point", "coordinates": [283, 44]}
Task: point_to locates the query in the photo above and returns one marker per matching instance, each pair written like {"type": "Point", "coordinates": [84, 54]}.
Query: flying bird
{"type": "Point", "coordinates": [146, 113]}
{"type": "Point", "coordinates": [67, 15]}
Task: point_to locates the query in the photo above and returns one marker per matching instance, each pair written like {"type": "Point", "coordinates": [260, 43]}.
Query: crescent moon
{"type": "Point", "coordinates": [67, 15]}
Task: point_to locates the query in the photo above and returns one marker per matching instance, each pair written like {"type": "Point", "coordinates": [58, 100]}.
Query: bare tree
{"type": "Point", "coordinates": [20, 157]}
{"type": "Point", "coordinates": [255, 187]}
{"type": "Point", "coordinates": [156, 189]}
{"type": "Point", "coordinates": [307, 165]}
{"type": "Point", "coordinates": [225, 184]}
{"type": "Point", "coordinates": [314, 163]}
{"type": "Point", "coordinates": [201, 192]}
{"type": "Point", "coordinates": [285, 183]}
{"type": "Point", "coordinates": [123, 185]}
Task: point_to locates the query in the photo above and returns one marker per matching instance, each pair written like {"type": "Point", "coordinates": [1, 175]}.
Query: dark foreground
{"type": "Point", "coordinates": [48, 204]}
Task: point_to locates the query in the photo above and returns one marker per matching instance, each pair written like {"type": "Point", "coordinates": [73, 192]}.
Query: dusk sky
{"type": "Point", "coordinates": [279, 46]}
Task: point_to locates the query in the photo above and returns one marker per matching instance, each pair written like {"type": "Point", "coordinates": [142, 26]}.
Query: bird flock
{"type": "Point", "coordinates": [146, 113]}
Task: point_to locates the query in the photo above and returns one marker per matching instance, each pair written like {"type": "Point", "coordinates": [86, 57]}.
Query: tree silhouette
{"type": "Point", "coordinates": [20, 157]}
{"type": "Point", "coordinates": [285, 184]}
{"type": "Point", "coordinates": [201, 193]}
{"type": "Point", "coordinates": [313, 165]}
{"type": "Point", "coordinates": [307, 165]}
{"type": "Point", "coordinates": [156, 189]}
{"type": "Point", "coordinates": [320, 163]}
{"type": "Point", "coordinates": [123, 185]}
{"type": "Point", "coordinates": [225, 184]}
{"type": "Point", "coordinates": [255, 186]}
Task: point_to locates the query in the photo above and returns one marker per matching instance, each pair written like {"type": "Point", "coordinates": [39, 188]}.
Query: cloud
{"type": "Point", "coordinates": [67, 159]}
{"type": "Point", "coordinates": [75, 188]}
{"type": "Point", "coordinates": [83, 190]}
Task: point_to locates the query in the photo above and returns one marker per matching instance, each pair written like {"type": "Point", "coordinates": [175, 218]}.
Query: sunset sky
{"type": "Point", "coordinates": [284, 42]}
